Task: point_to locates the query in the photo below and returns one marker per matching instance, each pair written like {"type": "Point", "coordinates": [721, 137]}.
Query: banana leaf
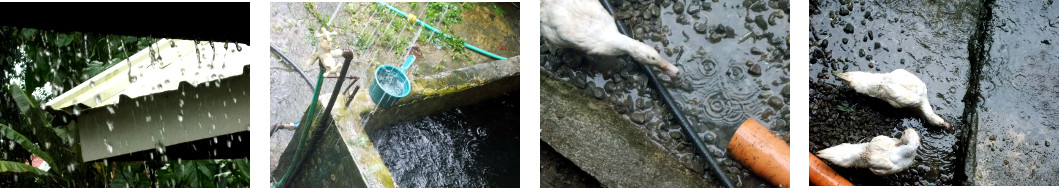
{"type": "Point", "coordinates": [14, 136]}
{"type": "Point", "coordinates": [17, 167]}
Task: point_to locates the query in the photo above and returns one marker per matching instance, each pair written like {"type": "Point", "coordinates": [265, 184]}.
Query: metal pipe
{"type": "Point", "coordinates": [326, 120]}
{"type": "Point", "coordinates": [668, 100]}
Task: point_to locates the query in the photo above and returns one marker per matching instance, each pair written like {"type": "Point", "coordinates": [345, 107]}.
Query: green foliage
{"type": "Point", "coordinates": [17, 167]}
{"type": "Point", "coordinates": [183, 173]}
{"type": "Point", "coordinates": [498, 11]}
{"type": "Point", "coordinates": [66, 59]}
{"type": "Point", "coordinates": [444, 16]}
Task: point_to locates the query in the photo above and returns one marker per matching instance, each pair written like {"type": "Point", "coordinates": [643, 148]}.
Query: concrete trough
{"type": "Point", "coordinates": [346, 156]}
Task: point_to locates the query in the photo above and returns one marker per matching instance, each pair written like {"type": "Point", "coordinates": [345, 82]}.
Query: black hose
{"type": "Point", "coordinates": [668, 99]}
{"type": "Point", "coordinates": [327, 119]}
{"type": "Point", "coordinates": [292, 64]}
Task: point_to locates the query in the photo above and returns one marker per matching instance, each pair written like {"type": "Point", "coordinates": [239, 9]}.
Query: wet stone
{"type": "Point", "coordinates": [755, 70]}
{"type": "Point", "coordinates": [693, 8]}
{"type": "Point", "coordinates": [676, 135]}
{"type": "Point", "coordinates": [610, 87]}
{"type": "Point", "coordinates": [848, 28]}
{"type": "Point", "coordinates": [760, 21]}
{"type": "Point", "coordinates": [597, 93]}
{"type": "Point", "coordinates": [759, 7]}
{"type": "Point", "coordinates": [678, 7]}
{"type": "Point", "coordinates": [786, 91]}
{"type": "Point", "coordinates": [653, 9]}
{"type": "Point", "coordinates": [776, 102]}
{"type": "Point", "coordinates": [638, 117]}
{"type": "Point", "coordinates": [682, 19]}
{"type": "Point", "coordinates": [756, 51]}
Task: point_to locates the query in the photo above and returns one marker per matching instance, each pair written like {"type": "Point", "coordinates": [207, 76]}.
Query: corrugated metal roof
{"type": "Point", "coordinates": [160, 67]}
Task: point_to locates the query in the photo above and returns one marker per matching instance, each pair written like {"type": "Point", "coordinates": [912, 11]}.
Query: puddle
{"type": "Point", "coordinates": [471, 146]}
{"type": "Point", "coordinates": [725, 76]}
{"type": "Point", "coordinates": [980, 63]}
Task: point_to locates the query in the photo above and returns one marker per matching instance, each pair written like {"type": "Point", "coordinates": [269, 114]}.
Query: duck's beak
{"type": "Point", "coordinates": [670, 69]}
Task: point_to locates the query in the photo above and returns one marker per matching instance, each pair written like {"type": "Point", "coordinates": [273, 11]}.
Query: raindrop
{"type": "Point", "coordinates": [160, 148]}
{"type": "Point", "coordinates": [229, 143]}
{"type": "Point", "coordinates": [110, 109]}
{"type": "Point", "coordinates": [235, 100]}
{"type": "Point", "coordinates": [181, 102]}
{"type": "Point", "coordinates": [137, 103]}
{"type": "Point", "coordinates": [77, 110]}
{"type": "Point", "coordinates": [47, 145]}
{"type": "Point", "coordinates": [180, 118]}
{"type": "Point", "coordinates": [105, 162]}
{"type": "Point", "coordinates": [148, 118]}
{"type": "Point", "coordinates": [214, 140]}
{"type": "Point", "coordinates": [71, 167]}
{"type": "Point", "coordinates": [209, 115]}
{"type": "Point", "coordinates": [109, 147]}
{"type": "Point", "coordinates": [110, 125]}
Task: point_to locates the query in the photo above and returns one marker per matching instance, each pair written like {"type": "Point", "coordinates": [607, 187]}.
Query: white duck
{"type": "Point", "coordinates": [584, 25]}
{"type": "Point", "coordinates": [327, 53]}
{"type": "Point", "coordinates": [883, 155]}
{"type": "Point", "coordinates": [900, 88]}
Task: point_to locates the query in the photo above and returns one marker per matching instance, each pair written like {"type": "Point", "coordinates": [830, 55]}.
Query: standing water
{"type": "Point", "coordinates": [391, 82]}
{"type": "Point", "coordinates": [734, 65]}
{"type": "Point", "coordinates": [471, 146]}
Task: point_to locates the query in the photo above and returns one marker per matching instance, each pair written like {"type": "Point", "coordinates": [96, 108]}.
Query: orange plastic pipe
{"type": "Point", "coordinates": [764, 153]}
{"type": "Point", "coordinates": [822, 175]}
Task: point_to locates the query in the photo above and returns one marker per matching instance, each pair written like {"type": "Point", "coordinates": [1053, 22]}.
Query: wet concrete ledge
{"type": "Point", "coordinates": [605, 145]}
{"type": "Point", "coordinates": [447, 90]}
{"type": "Point", "coordinates": [345, 151]}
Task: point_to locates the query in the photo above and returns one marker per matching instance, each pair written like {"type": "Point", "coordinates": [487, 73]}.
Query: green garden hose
{"type": "Point", "coordinates": [435, 30]}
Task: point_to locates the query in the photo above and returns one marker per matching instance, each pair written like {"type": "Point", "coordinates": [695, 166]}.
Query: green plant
{"type": "Point", "coordinates": [438, 67]}
{"type": "Point", "coordinates": [498, 10]}
{"type": "Point", "coordinates": [64, 60]}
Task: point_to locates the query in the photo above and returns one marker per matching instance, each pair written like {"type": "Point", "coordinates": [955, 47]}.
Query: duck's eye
{"type": "Point", "coordinates": [652, 58]}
